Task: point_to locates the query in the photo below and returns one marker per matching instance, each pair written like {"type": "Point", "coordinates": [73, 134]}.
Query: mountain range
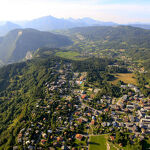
{"type": "Point", "coordinates": [49, 23]}
{"type": "Point", "coordinates": [19, 43]}
{"type": "Point", "coordinates": [6, 27]}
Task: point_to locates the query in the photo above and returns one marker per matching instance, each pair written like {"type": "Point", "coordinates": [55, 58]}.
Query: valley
{"type": "Point", "coordinates": [74, 75]}
{"type": "Point", "coordinates": [81, 88]}
{"type": "Point", "coordinates": [72, 103]}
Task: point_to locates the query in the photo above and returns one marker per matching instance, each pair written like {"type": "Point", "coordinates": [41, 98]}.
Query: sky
{"type": "Point", "coordinates": [119, 11]}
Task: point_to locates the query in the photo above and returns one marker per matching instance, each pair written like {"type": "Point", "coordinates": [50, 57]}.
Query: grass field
{"type": "Point", "coordinates": [97, 142]}
{"type": "Point", "coordinates": [125, 77]}
{"type": "Point", "coordinates": [100, 142]}
{"type": "Point", "coordinates": [69, 55]}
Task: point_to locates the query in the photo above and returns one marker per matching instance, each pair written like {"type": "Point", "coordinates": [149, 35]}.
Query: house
{"type": "Point", "coordinates": [131, 118]}
{"type": "Point", "coordinates": [143, 130]}
{"type": "Point", "coordinates": [134, 129]}
{"type": "Point", "coordinates": [104, 124]}
{"type": "Point", "coordinates": [112, 138]}
{"type": "Point", "coordinates": [83, 92]}
{"type": "Point", "coordinates": [136, 89]}
{"type": "Point", "coordinates": [93, 122]}
{"type": "Point", "coordinates": [64, 147]}
{"type": "Point", "coordinates": [131, 86]}
{"type": "Point", "coordinates": [92, 96]}
{"type": "Point", "coordinates": [106, 110]}
{"type": "Point", "coordinates": [80, 120]}
{"type": "Point", "coordinates": [83, 96]}
{"type": "Point", "coordinates": [113, 107]}
{"type": "Point", "coordinates": [49, 131]}
{"type": "Point", "coordinates": [145, 121]}
{"type": "Point", "coordinates": [147, 117]}
{"type": "Point", "coordinates": [123, 86]}
{"type": "Point", "coordinates": [77, 113]}
{"type": "Point", "coordinates": [79, 137]}
{"type": "Point", "coordinates": [125, 97]}
{"type": "Point", "coordinates": [59, 139]}
{"type": "Point", "coordinates": [130, 106]}
{"type": "Point", "coordinates": [93, 118]}
{"type": "Point", "coordinates": [115, 124]}
{"type": "Point", "coordinates": [44, 135]}
{"type": "Point", "coordinates": [96, 90]}
{"type": "Point", "coordinates": [15, 148]}
{"type": "Point", "coordinates": [129, 124]}
{"type": "Point", "coordinates": [108, 124]}
{"type": "Point", "coordinates": [30, 147]}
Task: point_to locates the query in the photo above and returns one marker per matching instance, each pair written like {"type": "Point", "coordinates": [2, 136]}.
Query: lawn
{"type": "Point", "coordinates": [125, 77]}
{"type": "Point", "coordinates": [112, 146]}
{"type": "Point", "coordinates": [80, 144]}
{"type": "Point", "coordinates": [69, 55]}
{"type": "Point", "coordinates": [97, 142]}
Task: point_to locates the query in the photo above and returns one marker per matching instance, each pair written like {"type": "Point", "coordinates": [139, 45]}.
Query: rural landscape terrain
{"type": "Point", "coordinates": [74, 84]}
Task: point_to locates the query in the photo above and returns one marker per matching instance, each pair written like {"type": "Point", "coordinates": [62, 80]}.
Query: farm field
{"type": "Point", "coordinates": [125, 77]}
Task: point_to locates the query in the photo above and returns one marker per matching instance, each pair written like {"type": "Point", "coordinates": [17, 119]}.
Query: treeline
{"type": "Point", "coordinates": [97, 64]}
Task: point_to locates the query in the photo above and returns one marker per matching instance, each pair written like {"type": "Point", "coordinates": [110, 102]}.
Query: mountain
{"type": "Point", "coordinates": [144, 26]}
{"type": "Point", "coordinates": [51, 23]}
{"type": "Point", "coordinates": [116, 41]}
{"type": "Point", "coordinates": [48, 23]}
{"type": "Point", "coordinates": [116, 34]}
{"type": "Point", "coordinates": [15, 45]}
{"type": "Point", "coordinates": [8, 26]}
{"type": "Point", "coordinates": [91, 22]}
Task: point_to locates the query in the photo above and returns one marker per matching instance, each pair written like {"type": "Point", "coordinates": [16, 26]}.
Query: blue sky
{"type": "Point", "coordinates": [120, 11]}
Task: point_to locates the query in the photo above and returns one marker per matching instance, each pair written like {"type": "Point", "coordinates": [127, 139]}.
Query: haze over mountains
{"type": "Point", "coordinates": [49, 23]}
{"type": "Point", "coordinates": [28, 36]}
{"type": "Point", "coordinates": [6, 27]}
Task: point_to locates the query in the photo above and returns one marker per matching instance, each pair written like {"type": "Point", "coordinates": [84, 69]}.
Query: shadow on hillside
{"type": "Point", "coordinates": [94, 143]}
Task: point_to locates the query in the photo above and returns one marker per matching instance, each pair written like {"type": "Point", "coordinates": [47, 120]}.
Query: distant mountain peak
{"type": "Point", "coordinates": [48, 23]}
{"type": "Point", "coordinates": [8, 26]}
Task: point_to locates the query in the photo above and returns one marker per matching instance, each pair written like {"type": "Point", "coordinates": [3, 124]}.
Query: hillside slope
{"type": "Point", "coordinates": [111, 41]}
{"type": "Point", "coordinates": [8, 26]}
{"type": "Point", "coordinates": [131, 35]}
{"type": "Point", "coordinates": [15, 45]}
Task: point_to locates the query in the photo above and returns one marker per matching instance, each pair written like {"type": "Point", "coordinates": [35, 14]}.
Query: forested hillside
{"type": "Point", "coordinates": [109, 41]}
{"type": "Point", "coordinates": [15, 45]}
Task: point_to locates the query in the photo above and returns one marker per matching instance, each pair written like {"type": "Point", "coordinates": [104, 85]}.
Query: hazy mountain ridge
{"type": "Point", "coordinates": [15, 45]}
{"type": "Point", "coordinates": [8, 26]}
{"type": "Point", "coordinates": [52, 23]}
{"type": "Point", "coordinates": [144, 26]}
{"type": "Point", "coordinates": [48, 23]}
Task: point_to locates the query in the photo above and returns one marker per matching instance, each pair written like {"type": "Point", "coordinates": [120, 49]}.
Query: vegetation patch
{"type": "Point", "coordinates": [125, 77]}
{"type": "Point", "coordinates": [97, 143]}
{"type": "Point", "coordinates": [69, 55]}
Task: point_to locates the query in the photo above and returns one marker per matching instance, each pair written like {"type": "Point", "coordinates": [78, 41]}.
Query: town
{"type": "Point", "coordinates": [69, 115]}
